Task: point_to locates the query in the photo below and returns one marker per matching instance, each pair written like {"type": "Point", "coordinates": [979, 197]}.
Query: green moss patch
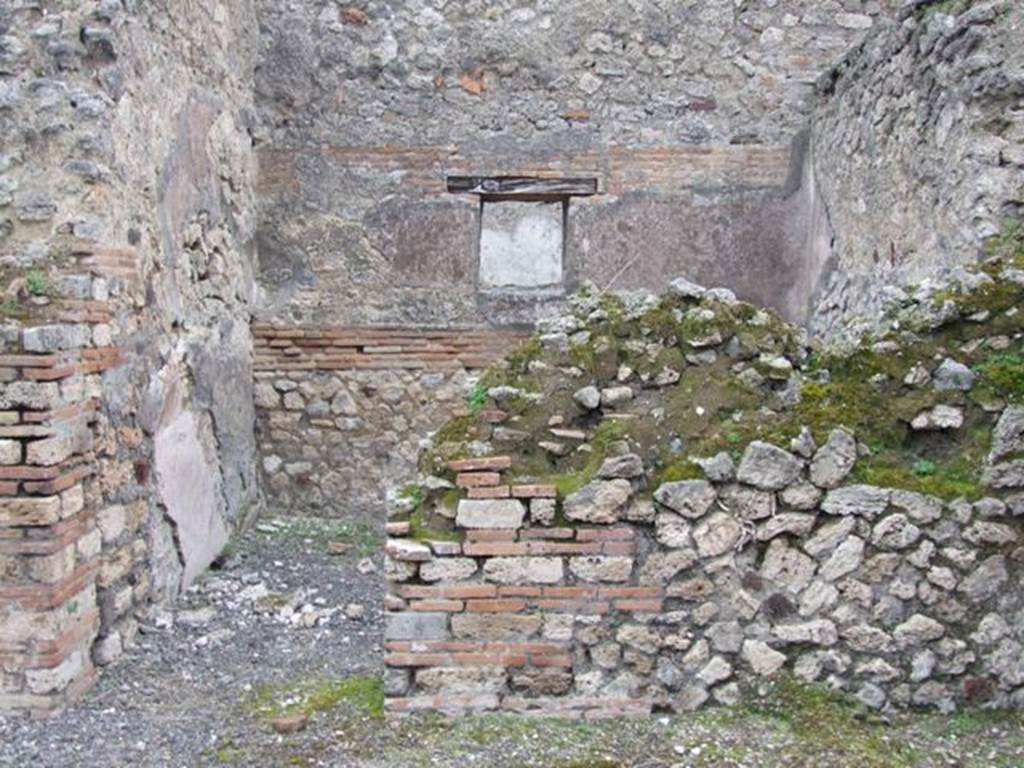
{"type": "Point", "coordinates": [1002, 378]}
{"type": "Point", "coordinates": [731, 392]}
{"type": "Point", "coordinates": [364, 695]}
{"type": "Point", "coordinates": [424, 526]}
{"type": "Point", "coordinates": [833, 725]}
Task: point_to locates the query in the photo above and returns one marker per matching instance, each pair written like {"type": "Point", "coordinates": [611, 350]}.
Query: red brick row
{"type": "Point", "coordinates": [522, 548]}
{"type": "Point", "coordinates": [473, 646]}
{"type": "Point", "coordinates": [475, 660]}
{"type": "Point", "coordinates": [588, 607]}
{"type": "Point", "coordinates": [483, 464]}
{"type": "Point", "coordinates": [446, 703]}
{"type": "Point", "coordinates": [493, 591]}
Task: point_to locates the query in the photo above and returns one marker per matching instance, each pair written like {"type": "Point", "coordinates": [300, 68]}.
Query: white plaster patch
{"type": "Point", "coordinates": [189, 487]}
{"type": "Point", "coordinates": [521, 245]}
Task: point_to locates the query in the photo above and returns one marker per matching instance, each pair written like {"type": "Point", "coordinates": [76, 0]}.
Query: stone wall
{"type": "Point", "coordinates": [342, 412]}
{"type": "Point", "coordinates": [613, 603]}
{"type": "Point", "coordinates": [126, 229]}
{"type": "Point", "coordinates": [642, 74]}
{"type": "Point", "coordinates": [918, 149]}
{"type": "Point", "coordinates": [387, 243]}
{"type": "Point", "coordinates": [664, 499]}
{"type": "Point", "coordinates": [682, 113]}
{"type": "Point", "coordinates": [184, 396]}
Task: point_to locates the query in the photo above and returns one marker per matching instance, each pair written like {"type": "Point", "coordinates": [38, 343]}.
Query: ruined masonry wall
{"type": "Point", "coordinates": [395, 72]}
{"type": "Point", "coordinates": [613, 603]}
{"type": "Point", "coordinates": [684, 113]}
{"type": "Point", "coordinates": [126, 219]}
{"type": "Point", "coordinates": [342, 412]}
{"type": "Point", "coordinates": [918, 151]}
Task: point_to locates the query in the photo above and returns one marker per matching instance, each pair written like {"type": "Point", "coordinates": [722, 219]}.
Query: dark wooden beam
{"type": "Point", "coordinates": [521, 186]}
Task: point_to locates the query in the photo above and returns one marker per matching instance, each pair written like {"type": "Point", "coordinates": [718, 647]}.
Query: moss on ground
{"type": "Point", "coordinates": [832, 725]}
{"type": "Point", "coordinates": [362, 695]}
{"type": "Point", "coordinates": [228, 753]}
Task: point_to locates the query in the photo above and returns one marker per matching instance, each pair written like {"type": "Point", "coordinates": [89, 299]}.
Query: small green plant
{"type": "Point", "coordinates": [1003, 376]}
{"type": "Point", "coordinates": [35, 281]}
{"type": "Point", "coordinates": [924, 468]}
{"type": "Point", "coordinates": [413, 494]}
{"type": "Point", "coordinates": [477, 399]}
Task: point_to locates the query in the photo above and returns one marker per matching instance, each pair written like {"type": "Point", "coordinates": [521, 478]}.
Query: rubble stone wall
{"type": "Point", "coordinates": [918, 151]}
{"type": "Point", "coordinates": [126, 230]}
{"type": "Point", "coordinates": [615, 602]}
{"type": "Point", "coordinates": [342, 412]}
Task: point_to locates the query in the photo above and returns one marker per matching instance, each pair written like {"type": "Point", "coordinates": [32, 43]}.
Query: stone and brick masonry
{"type": "Point", "coordinates": [623, 603]}
{"type": "Point", "coordinates": [647, 513]}
{"type": "Point", "coordinates": [130, 135]}
{"type": "Point", "coordinates": [51, 540]}
{"type": "Point", "coordinates": [341, 412]}
{"type": "Point", "coordinates": [125, 231]}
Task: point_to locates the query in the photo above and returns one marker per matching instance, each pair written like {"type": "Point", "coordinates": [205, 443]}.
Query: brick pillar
{"type": "Point", "coordinates": [49, 540]}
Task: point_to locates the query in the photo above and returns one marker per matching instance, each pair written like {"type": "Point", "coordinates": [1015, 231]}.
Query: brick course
{"type": "Point", "coordinates": [503, 624]}
{"type": "Point", "coordinates": [303, 348]}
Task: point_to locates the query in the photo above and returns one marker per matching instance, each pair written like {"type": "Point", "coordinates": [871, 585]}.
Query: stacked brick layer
{"type": "Point", "coordinates": [620, 170]}
{"type": "Point", "coordinates": [468, 637]}
{"type": "Point", "coordinates": [290, 348]}
{"type": "Point", "coordinates": [127, 214]}
{"type": "Point", "coordinates": [50, 545]}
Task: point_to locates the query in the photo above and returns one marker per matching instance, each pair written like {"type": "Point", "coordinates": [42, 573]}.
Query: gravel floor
{"type": "Point", "coordinates": [188, 687]}
{"type": "Point", "coordinates": [285, 626]}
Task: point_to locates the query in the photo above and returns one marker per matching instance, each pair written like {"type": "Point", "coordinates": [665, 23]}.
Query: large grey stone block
{"type": "Point", "coordinates": [416, 626]}
{"type": "Point", "coordinates": [490, 513]}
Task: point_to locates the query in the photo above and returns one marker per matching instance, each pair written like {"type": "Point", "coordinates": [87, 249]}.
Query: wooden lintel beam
{"type": "Point", "coordinates": [521, 186]}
